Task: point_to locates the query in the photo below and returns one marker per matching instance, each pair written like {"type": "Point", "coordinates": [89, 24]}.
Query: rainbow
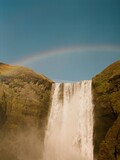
{"type": "Point", "coordinates": [61, 51]}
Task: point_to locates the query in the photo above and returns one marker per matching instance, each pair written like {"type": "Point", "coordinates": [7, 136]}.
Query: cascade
{"type": "Point", "coordinates": [69, 134]}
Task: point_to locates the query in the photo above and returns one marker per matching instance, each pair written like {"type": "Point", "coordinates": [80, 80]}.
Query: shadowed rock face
{"type": "Point", "coordinates": [106, 98]}
{"type": "Point", "coordinates": [24, 108]}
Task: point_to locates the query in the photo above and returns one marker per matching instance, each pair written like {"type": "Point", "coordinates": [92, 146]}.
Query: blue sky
{"type": "Point", "coordinates": [28, 27]}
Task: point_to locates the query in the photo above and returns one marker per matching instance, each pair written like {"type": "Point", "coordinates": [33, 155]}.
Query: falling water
{"type": "Point", "coordinates": [69, 134]}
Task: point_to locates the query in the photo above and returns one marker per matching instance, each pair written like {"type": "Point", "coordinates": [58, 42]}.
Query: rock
{"type": "Point", "coordinates": [24, 108]}
{"type": "Point", "coordinates": [106, 98]}
{"type": "Point", "coordinates": [25, 105]}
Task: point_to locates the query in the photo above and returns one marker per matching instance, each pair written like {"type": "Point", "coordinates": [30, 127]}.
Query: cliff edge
{"type": "Point", "coordinates": [106, 98]}
{"type": "Point", "coordinates": [24, 108]}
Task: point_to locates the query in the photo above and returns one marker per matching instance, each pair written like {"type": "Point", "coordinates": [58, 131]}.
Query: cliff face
{"type": "Point", "coordinates": [106, 98]}
{"type": "Point", "coordinates": [25, 104]}
{"type": "Point", "coordinates": [24, 108]}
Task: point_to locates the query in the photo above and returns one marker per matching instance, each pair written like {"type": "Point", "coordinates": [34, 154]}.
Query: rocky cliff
{"type": "Point", "coordinates": [25, 104]}
{"type": "Point", "coordinates": [106, 98]}
{"type": "Point", "coordinates": [24, 108]}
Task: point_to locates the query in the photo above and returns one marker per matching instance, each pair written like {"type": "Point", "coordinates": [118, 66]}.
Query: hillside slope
{"type": "Point", "coordinates": [24, 108]}
{"type": "Point", "coordinates": [106, 98]}
{"type": "Point", "coordinates": [25, 105]}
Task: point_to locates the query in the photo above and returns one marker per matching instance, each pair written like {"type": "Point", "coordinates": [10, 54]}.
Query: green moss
{"type": "Point", "coordinates": [24, 106]}
{"type": "Point", "coordinates": [106, 97]}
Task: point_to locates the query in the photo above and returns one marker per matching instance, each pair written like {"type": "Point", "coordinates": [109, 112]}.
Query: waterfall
{"type": "Point", "coordinates": [69, 134]}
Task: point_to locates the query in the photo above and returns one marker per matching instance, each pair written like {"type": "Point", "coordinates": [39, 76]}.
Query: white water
{"type": "Point", "coordinates": [69, 134]}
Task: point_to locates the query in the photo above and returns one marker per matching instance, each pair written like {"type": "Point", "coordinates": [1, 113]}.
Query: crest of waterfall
{"type": "Point", "coordinates": [69, 134]}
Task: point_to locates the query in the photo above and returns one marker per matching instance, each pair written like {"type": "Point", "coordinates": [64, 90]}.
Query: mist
{"type": "Point", "coordinates": [25, 145]}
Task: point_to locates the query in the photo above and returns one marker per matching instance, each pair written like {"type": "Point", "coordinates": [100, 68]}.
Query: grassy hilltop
{"type": "Point", "coordinates": [24, 108]}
